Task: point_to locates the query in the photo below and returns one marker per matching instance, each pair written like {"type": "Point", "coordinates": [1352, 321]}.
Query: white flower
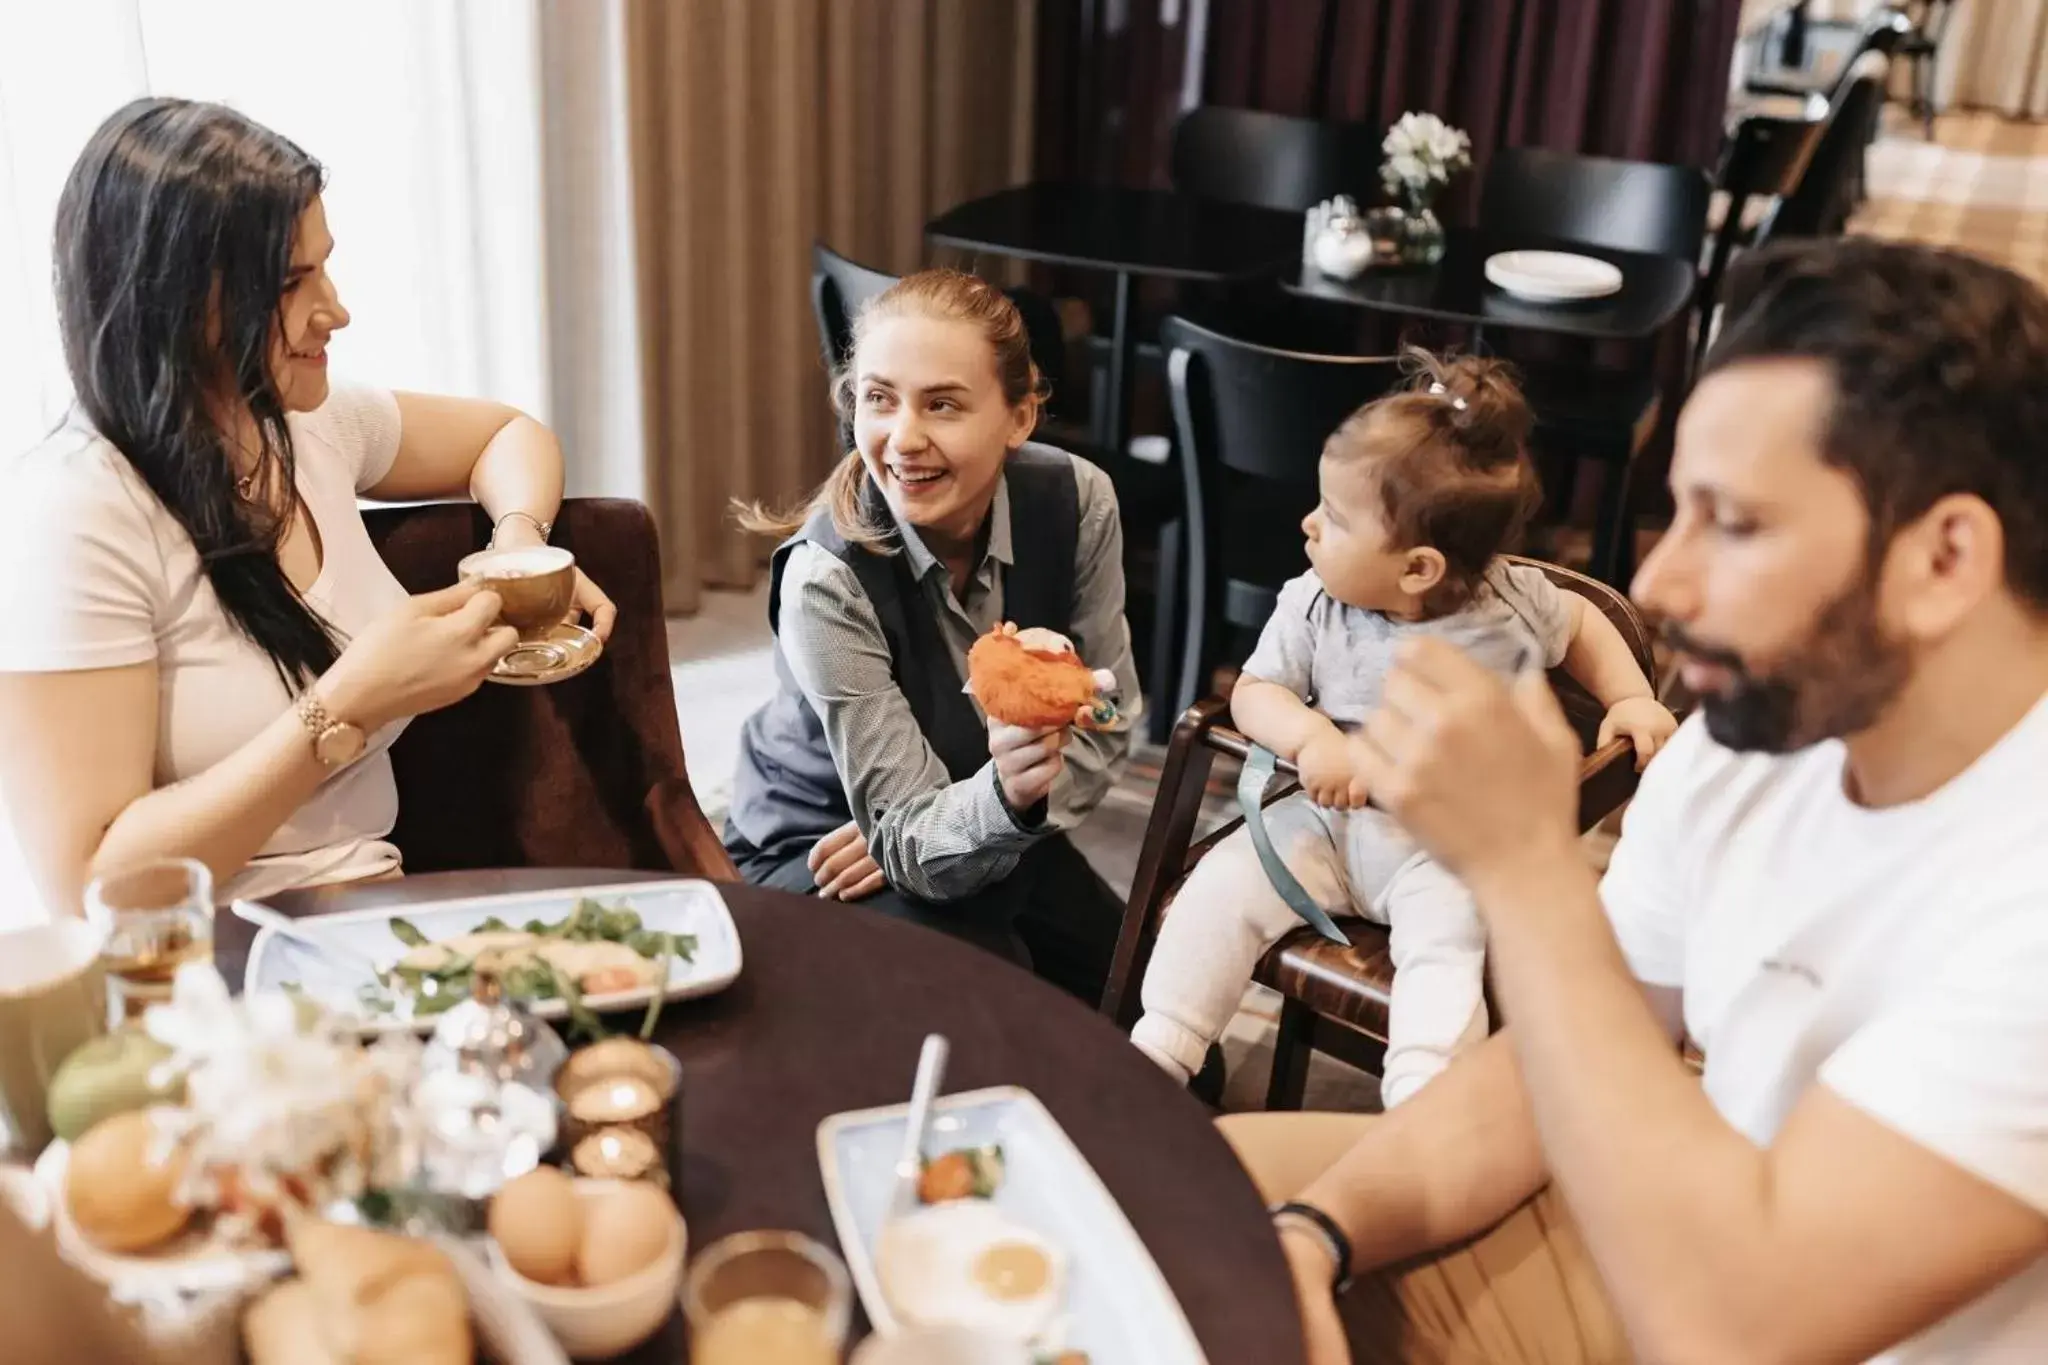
{"type": "Point", "coordinates": [1422, 151]}
{"type": "Point", "coordinates": [1449, 147]}
{"type": "Point", "coordinates": [274, 1097]}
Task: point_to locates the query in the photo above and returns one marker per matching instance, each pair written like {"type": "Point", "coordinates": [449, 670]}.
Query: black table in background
{"type": "Point", "coordinates": [1127, 232]}
{"type": "Point", "coordinates": [1654, 290]}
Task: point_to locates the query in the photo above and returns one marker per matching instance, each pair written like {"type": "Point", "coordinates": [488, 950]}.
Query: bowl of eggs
{"type": "Point", "coordinates": [600, 1261]}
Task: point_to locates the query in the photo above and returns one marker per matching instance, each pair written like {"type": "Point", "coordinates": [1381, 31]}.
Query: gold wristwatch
{"type": "Point", "coordinates": [336, 743]}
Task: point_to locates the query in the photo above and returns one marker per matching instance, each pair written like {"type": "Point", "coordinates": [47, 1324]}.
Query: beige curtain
{"type": "Point", "coordinates": [1995, 56]}
{"type": "Point", "coordinates": [758, 126]}
{"type": "Point", "coordinates": [1994, 53]}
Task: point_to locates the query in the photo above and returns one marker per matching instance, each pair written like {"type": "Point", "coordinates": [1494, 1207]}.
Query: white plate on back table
{"type": "Point", "coordinates": [682, 906]}
{"type": "Point", "coordinates": [1118, 1307]}
{"type": "Point", "coordinates": [1553, 276]}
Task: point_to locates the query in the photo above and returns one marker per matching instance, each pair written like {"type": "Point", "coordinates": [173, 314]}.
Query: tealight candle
{"type": "Point", "coordinates": [620, 1105]}
{"type": "Point", "coordinates": [618, 1154]}
{"type": "Point", "coordinates": [614, 1099]}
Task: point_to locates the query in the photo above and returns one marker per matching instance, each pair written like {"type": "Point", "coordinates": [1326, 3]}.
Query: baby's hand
{"type": "Point", "coordinates": [1644, 721]}
{"type": "Point", "coordinates": [1328, 775]}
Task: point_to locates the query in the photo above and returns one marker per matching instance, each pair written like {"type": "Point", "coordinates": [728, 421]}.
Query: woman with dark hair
{"type": "Point", "coordinates": [206, 657]}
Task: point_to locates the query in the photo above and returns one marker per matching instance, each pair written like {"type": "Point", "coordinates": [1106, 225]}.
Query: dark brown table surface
{"type": "Point", "coordinates": [831, 1004]}
{"type": "Point", "coordinates": [1654, 290]}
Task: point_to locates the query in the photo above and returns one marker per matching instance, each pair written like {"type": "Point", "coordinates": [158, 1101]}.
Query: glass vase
{"type": "Point", "coordinates": [1422, 236]}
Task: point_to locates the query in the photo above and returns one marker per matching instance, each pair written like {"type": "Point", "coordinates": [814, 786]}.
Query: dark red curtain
{"type": "Point", "coordinates": [1644, 79]}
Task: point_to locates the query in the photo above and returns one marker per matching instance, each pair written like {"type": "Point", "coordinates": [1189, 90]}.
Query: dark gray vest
{"type": "Point", "coordinates": [786, 792]}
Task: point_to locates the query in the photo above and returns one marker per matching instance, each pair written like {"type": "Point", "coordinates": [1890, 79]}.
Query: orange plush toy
{"type": "Point", "coordinates": [1033, 678]}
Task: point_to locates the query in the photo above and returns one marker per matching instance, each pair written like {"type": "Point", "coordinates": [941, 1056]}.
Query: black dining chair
{"type": "Point", "coordinates": [1148, 495]}
{"type": "Point", "coordinates": [1643, 206]}
{"type": "Point", "coordinates": [1831, 51]}
{"type": "Point", "coordinates": [1250, 421]}
{"type": "Point", "coordinates": [1822, 199]}
{"type": "Point", "coordinates": [1275, 161]}
{"type": "Point", "coordinates": [1765, 159]}
{"type": "Point", "coordinates": [1922, 48]}
{"type": "Point", "coordinates": [840, 288]}
{"type": "Point", "coordinates": [1599, 414]}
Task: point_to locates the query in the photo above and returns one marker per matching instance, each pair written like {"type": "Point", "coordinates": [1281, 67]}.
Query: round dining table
{"type": "Point", "coordinates": [827, 1015]}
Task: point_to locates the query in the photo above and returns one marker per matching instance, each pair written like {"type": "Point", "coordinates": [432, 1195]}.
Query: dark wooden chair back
{"type": "Point", "coordinates": [1276, 161]}
{"type": "Point", "coordinates": [583, 773]}
{"type": "Point", "coordinates": [1641, 206]}
{"type": "Point", "coordinates": [1318, 980]}
{"type": "Point", "coordinates": [1250, 422]}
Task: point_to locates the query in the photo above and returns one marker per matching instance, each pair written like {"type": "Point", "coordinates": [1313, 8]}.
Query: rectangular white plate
{"type": "Point", "coordinates": [1119, 1308]}
{"type": "Point", "coordinates": [682, 906]}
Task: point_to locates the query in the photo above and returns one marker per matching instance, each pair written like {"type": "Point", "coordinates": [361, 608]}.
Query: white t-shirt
{"type": "Point", "coordinates": [1898, 956]}
{"type": "Point", "coordinates": [95, 573]}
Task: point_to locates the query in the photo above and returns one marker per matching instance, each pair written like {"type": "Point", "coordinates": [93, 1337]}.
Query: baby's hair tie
{"type": "Point", "coordinates": [1437, 389]}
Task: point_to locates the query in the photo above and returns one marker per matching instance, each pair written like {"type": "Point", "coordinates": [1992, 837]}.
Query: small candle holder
{"type": "Point", "coordinates": [618, 1152]}
{"type": "Point", "coordinates": [618, 1102]}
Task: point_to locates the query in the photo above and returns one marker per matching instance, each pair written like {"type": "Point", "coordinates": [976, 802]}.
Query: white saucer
{"type": "Point", "coordinates": [1553, 276]}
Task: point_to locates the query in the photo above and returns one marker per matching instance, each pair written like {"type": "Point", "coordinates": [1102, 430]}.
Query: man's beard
{"type": "Point", "coordinates": [1835, 684]}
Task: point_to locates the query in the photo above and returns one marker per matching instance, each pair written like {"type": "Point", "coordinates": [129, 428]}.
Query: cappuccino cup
{"type": "Point", "coordinates": [536, 585]}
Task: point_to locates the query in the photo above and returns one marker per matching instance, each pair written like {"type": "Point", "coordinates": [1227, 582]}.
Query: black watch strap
{"type": "Point", "coordinates": [1325, 1227]}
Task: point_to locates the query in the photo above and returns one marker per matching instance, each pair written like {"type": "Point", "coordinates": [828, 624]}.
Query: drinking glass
{"type": "Point", "coordinates": [157, 916]}
{"type": "Point", "coordinates": [766, 1298]}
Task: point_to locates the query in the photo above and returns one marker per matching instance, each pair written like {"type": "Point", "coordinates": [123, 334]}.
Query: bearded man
{"type": "Point", "coordinates": [1834, 881]}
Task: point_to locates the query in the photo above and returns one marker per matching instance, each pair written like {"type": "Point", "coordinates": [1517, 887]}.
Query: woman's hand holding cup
{"type": "Point", "coordinates": [428, 652]}
{"type": "Point", "coordinates": [1026, 762]}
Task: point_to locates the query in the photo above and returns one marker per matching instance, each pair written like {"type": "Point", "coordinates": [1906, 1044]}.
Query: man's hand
{"type": "Point", "coordinates": [1321, 1330]}
{"type": "Point", "coordinates": [1483, 776]}
{"type": "Point", "coordinates": [1329, 772]}
{"type": "Point", "coordinates": [1643, 721]}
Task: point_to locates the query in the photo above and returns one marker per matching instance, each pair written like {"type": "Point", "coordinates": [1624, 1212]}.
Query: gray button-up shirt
{"type": "Point", "coordinates": [938, 839]}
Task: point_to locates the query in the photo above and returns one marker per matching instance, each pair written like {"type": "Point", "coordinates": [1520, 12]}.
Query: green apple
{"type": "Point", "coordinates": [108, 1076]}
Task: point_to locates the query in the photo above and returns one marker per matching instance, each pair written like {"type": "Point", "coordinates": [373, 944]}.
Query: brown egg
{"type": "Point", "coordinates": [117, 1196]}
{"type": "Point", "coordinates": [538, 1222]}
{"type": "Point", "coordinates": [626, 1231]}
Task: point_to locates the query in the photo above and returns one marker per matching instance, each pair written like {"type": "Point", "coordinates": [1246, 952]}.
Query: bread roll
{"type": "Point", "coordinates": [382, 1299]}
{"type": "Point", "coordinates": [283, 1328]}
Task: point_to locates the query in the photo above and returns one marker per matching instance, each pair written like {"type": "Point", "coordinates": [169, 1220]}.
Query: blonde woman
{"type": "Point", "coordinates": [870, 775]}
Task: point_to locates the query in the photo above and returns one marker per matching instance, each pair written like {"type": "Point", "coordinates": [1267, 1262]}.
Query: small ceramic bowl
{"type": "Point", "coordinates": [598, 1322]}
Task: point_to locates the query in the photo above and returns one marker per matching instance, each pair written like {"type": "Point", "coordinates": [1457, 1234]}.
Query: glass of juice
{"type": "Point", "coordinates": [157, 916]}
{"type": "Point", "coordinates": [766, 1298]}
